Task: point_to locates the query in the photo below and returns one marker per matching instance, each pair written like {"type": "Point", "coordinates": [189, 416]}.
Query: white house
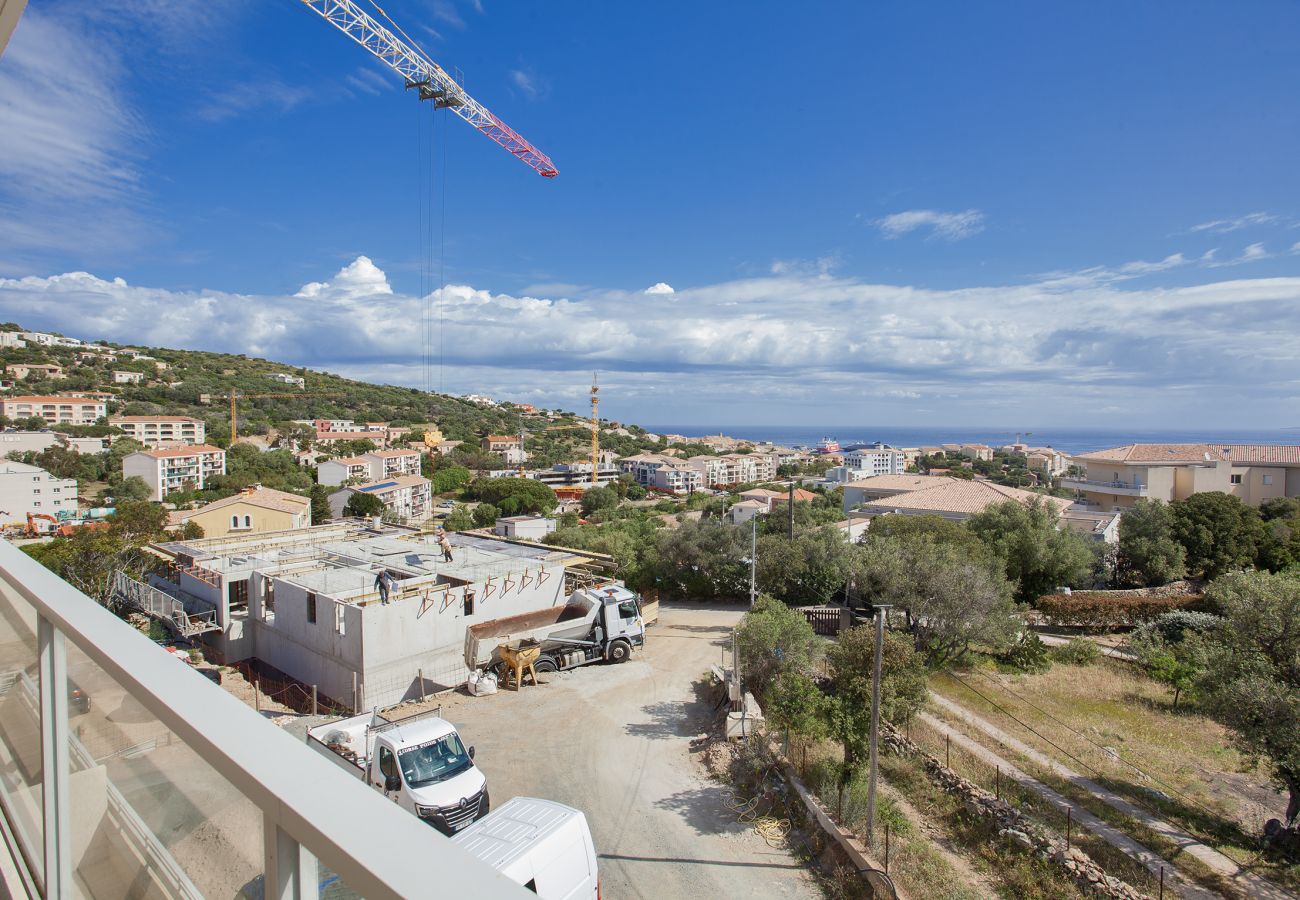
{"type": "Point", "coordinates": [407, 497]}
{"type": "Point", "coordinates": [120, 377]}
{"type": "Point", "coordinates": [526, 528]}
{"type": "Point", "coordinates": [373, 466]}
{"type": "Point", "coordinates": [158, 431]}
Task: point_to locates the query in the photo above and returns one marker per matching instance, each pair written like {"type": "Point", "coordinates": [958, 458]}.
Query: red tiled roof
{"type": "Point", "coordinates": [191, 450]}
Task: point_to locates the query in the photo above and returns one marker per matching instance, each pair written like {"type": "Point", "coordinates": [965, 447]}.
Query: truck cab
{"type": "Point", "coordinates": [419, 763]}
{"type": "Point", "coordinates": [620, 618]}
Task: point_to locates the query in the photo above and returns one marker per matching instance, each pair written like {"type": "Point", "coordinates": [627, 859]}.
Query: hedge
{"type": "Point", "coordinates": [1097, 609]}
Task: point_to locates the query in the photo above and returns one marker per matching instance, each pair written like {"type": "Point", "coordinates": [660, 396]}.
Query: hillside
{"type": "Point", "coordinates": [196, 383]}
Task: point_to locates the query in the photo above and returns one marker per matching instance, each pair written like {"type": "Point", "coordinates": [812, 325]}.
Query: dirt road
{"type": "Point", "coordinates": [614, 741]}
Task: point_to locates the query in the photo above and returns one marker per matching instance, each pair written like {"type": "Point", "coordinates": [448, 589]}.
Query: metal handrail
{"type": "Point", "coordinates": [379, 850]}
{"type": "Point", "coordinates": [1131, 485]}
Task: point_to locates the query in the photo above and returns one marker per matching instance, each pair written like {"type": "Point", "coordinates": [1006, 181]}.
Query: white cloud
{"type": "Point", "coordinates": [795, 342]}
{"type": "Point", "coordinates": [369, 81]}
{"type": "Point", "coordinates": [69, 143]}
{"type": "Point", "coordinates": [1254, 251]}
{"type": "Point", "coordinates": [529, 83]}
{"type": "Point", "coordinates": [954, 226]}
{"type": "Point", "coordinates": [660, 288]}
{"type": "Point", "coordinates": [265, 93]}
{"type": "Point", "coordinates": [359, 278]}
{"type": "Point", "coordinates": [1223, 226]}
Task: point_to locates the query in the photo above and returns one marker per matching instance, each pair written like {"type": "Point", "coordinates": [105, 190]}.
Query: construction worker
{"type": "Point", "coordinates": [383, 583]}
{"type": "Point", "coordinates": [445, 545]}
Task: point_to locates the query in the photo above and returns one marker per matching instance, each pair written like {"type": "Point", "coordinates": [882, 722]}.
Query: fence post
{"type": "Point", "coordinates": [886, 848]}
{"type": "Point", "coordinates": [1069, 820]}
{"type": "Point", "coordinates": [257, 694]}
{"type": "Point", "coordinates": [997, 782]}
{"type": "Point", "coordinates": [1162, 883]}
{"type": "Point", "coordinates": [313, 699]}
{"type": "Point", "coordinates": [947, 751]}
{"type": "Point", "coordinates": [419, 673]}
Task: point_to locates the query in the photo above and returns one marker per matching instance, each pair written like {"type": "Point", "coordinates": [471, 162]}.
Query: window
{"type": "Point", "coordinates": [1236, 479]}
{"type": "Point", "coordinates": [387, 764]}
{"type": "Point", "coordinates": [1268, 479]}
{"type": "Point", "coordinates": [311, 607]}
{"type": "Point", "coordinates": [36, 490]}
{"type": "Point", "coordinates": [234, 521]}
{"type": "Point", "coordinates": [340, 620]}
{"type": "Point", "coordinates": [627, 609]}
{"type": "Point", "coordinates": [248, 521]}
{"type": "Point", "coordinates": [37, 504]}
{"type": "Point", "coordinates": [238, 593]}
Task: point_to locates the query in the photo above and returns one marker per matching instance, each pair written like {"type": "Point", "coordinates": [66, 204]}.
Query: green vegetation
{"type": "Point", "coordinates": [514, 496]}
{"type": "Point", "coordinates": [362, 504]}
{"type": "Point", "coordinates": [1149, 554]}
{"type": "Point", "coordinates": [1218, 531]}
{"type": "Point", "coordinates": [1038, 554]}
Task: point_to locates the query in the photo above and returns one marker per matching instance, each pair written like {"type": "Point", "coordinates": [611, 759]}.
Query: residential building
{"type": "Point", "coordinates": [292, 380]}
{"type": "Point", "coordinates": [168, 469]}
{"type": "Point", "coordinates": [105, 396]}
{"type": "Point", "coordinates": [526, 408]}
{"type": "Point", "coordinates": [338, 471]}
{"type": "Point", "coordinates": [977, 451]}
{"type": "Point", "coordinates": [677, 478]}
{"type": "Point", "coordinates": [524, 528]}
{"type": "Point", "coordinates": [25, 441]}
{"type": "Point", "coordinates": [29, 489]}
{"type": "Point", "coordinates": [951, 498]}
{"type": "Point", "coordinates": [373, 466]}
{"type": "Point", "coordinates": [23, 371]}
{"type": "Point", "coordinates": [498, 443]}
{"type": "Point", "coordinates": [12, 340]}
{"type": "Point", "coordinates": [1100, 526]}
{"type": "Point", "coordinates": [867, 462]}
{"type": "Point", "coordinates": [90, 445]}
{"type": "Point", "coordinates": [347, 425]}
{"type": "Point", "coordinates": [55, 410]}
{"type": "Point", "coordinates": [1045, 461]}
{"type": "Point", "coordinates": [879, 487]}
{"type": "Point", "coordinates": [742, 512]}
{"type": "Point", "coordinates": [572, 474]}
{"type": "Point", "coordinates": [161, 431]}
{"type": "Point", "coordinates": [39, 337]}
{"type": "Point", "coordinates": [254, 509]}
{"type": "Point", "coordinates": [446, 447]}
{"type": "Point", "coordinates": [409, 498]}
{"type": "Point", "coordinates": [120, 377]}
{"type": "Point", "coordinates": [329, 438]}
{"type": "Point", "coordinates": [480, 400]}
{"type": "Point", "coordinates": [1115, 478]}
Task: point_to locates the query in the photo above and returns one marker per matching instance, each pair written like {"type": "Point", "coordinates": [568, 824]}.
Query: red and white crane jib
{"type": "Point", "coordinates": [434, 82]}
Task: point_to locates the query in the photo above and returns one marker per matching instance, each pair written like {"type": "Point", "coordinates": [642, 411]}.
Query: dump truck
{"type": "Point", "coordinates": [596, 624]}
{"type": "Point", "coordinates": [420, 763]}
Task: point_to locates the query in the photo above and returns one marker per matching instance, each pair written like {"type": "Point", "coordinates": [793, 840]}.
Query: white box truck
{"type": "Point", "coordinates": [596, 624]}
{"type": "Point", "coordinates": [543, 845]}
{"type": "Point", "coordinates": [420, 763]}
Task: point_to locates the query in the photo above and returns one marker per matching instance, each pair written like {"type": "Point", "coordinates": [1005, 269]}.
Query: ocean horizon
{"type": "Point", "coordinates": [1067, 440]}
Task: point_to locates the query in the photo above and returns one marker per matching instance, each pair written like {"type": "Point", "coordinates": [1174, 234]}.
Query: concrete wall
{"type": "Point", "coordinates": [412, 634]}
{"type": "Point", "coordinates": [216, 523]}
{"type": "Point", "coordinates": [325, 653]}
{"type": "Point", "coordinates": [1253, 490]}
{"type": "Point", "coordinates": [25, 441]}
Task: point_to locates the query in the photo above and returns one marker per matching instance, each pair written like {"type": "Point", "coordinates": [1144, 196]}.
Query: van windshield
{"type": "Point", "coordinates": [434, 761]}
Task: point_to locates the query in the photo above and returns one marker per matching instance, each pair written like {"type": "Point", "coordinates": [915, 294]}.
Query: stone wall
{"type": "Point", "coordinates": [1013, 825]}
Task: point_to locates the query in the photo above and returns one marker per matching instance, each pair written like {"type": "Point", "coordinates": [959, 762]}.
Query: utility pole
{"type": "Point", "coordinates": [753, 559]}
{"type": "Point", "coordinates": [875, 720]}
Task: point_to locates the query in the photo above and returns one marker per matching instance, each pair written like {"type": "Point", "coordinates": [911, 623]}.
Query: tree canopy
{"type": "Point", "coordinates": [1039, 556]}
{"type": "Point", "coordinates": [1218, 532]}
{"type": "Point", "coordinates": [515, 496]}
{"type": "Point", "coordinates": [1149, 554]}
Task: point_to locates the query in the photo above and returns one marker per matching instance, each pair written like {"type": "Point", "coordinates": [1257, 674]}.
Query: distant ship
{"type": "Point", "coordinates": [828, 445]}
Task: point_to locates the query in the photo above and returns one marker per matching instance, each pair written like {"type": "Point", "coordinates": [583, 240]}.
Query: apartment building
{"type": "Point", "coordinates": [875, 459]}
{"type": "Point", "coordinates": [328, 438]}
{"type": "Point", "coordinates": [12, 340]}
{"type": "Point", "coordinates": [55, 410]}
{"type": "Point", "coordinates": [1115, 478]}
{"type": "Point", "coordinates": [1045, 461]}
{"type": "Point", "coordinates": [168, 469]}
{"type": "Point", "coordinates": [161, 431]}
{"type": "Point", "coordinates": [347, 425]}
{"type": "Point", "coordinates": [29, 489]}
{"type": "Point", "coordinates": [23, 371]}
{"type": "Point", "coordinates": [407, 497]}
{"type": "Point", "coordinates": [373, 466]}
{"type": "Point", "coordinates": [13, 441]}
{"type": "Point", "coordinates": [254, 509]}
{"type": "Point", "coordinates": [499, 443]}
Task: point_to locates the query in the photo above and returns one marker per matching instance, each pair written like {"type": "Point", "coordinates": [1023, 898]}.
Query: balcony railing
{"type": "Point", "coordinates": [1109, 487]}
{"type": "Point", "coordinates": [122, 773]}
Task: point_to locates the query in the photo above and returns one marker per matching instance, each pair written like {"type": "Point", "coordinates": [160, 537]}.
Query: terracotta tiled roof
{"type": "Point", "coordinates": [349, 461]}
{"type": "Point", "coordinates": [958, 496]}
{"type": "Point", "coordinates": [267, 498]}
{"type": "Point", "coordinates": [33, 398]}
{"type": "Point", "coordinates": [898, 483]}
{"type": "Point", "coordinates": [1192, 453]}
{"type": "Point", "coordinates": [192, 450]}
{"type": "Point", "coordinates": [1263, 453]}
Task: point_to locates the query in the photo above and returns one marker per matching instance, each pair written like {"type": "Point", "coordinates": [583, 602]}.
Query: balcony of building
{"type": "Point", "coordinates": [125, 774]}
{"type": "Point", "coordinates": [1115, 488]}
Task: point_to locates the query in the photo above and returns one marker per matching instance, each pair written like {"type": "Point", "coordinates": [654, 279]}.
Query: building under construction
{"type": "Point", "coordinates": [307, 602]}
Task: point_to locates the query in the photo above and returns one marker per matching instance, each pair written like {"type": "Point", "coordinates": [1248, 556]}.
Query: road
{"type": "Point", "coordinates": [614, 741]}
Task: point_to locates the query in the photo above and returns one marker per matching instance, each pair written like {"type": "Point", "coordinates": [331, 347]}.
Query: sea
{"type": "Point", "coordinates": [1067, 440]}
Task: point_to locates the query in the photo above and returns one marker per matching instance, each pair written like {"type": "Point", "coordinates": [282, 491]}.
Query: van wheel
{"type": "Point", "coordinates": [545, 665]}
{"type": "Point", "coordinates": [620, 651]}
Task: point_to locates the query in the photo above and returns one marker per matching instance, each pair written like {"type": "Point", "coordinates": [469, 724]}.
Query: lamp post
{"type": "Point", "coordinates": [875, 720]}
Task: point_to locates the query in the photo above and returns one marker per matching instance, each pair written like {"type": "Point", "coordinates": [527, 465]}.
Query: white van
{"type": "Point", "coordinates": [542, 845]}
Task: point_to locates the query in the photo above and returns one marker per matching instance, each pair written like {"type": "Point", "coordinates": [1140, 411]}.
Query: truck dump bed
{"type": "Point", "coordinates": [571, 621]}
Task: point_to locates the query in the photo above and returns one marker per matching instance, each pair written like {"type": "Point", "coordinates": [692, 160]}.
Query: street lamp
{"type": "Point", "coordinates": [875, 719]}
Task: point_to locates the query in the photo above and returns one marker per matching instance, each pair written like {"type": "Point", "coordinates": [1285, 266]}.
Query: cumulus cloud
{"type": "Point", "coordinates": [953, 226]}
{"type": "Point", "coordinates": [795, 341]}
{"type": "Point", "coordinates": [1223, 226]}
{"type": "Point", "coordinates": [660, 288]}
{"type": "Point", "coordinates": [359, 278]}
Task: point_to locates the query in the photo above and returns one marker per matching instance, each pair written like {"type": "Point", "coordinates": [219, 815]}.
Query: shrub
{"type": "Point", "coordinates": [1029, 654]}
{"type": "Point", "coordinates": [1098, 609]}
{"type": "Point", "coordinates": [1078, 652]}
{"type": "Point", "coordinates": [1172, 627]}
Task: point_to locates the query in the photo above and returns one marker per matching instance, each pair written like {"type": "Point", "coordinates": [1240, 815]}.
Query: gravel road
{"type": "Point", "coordinates": [614, 741]}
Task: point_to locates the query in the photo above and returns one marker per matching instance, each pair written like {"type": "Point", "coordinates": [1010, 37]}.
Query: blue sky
{"type": "Point", "coordinates": [897, 213]}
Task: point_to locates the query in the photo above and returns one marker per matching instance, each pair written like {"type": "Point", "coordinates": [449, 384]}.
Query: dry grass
{"type": "Point", "coordinates": [1113, 724]}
